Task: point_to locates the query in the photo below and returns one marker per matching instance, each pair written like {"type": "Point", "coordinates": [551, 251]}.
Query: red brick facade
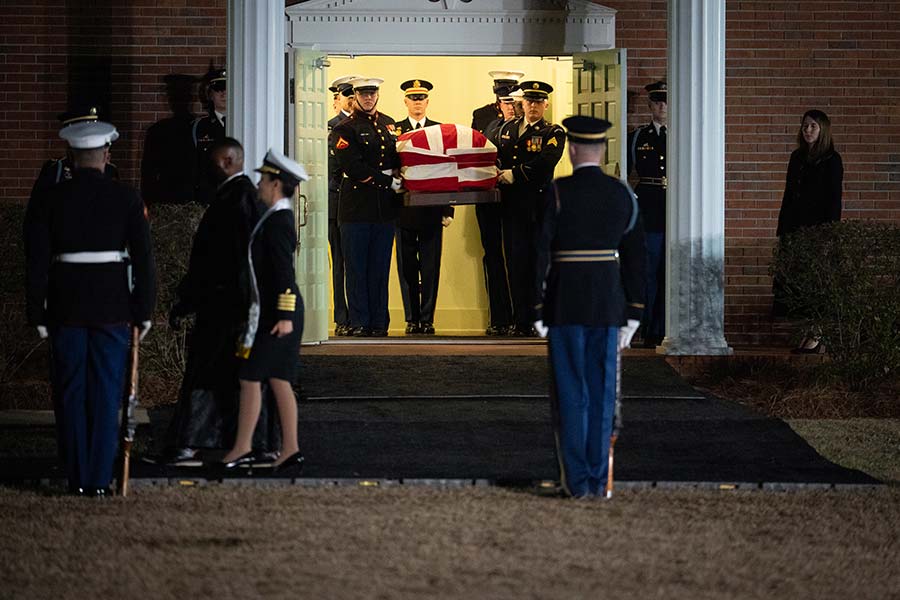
{"type": "Point", "coordinates": [783, 57]}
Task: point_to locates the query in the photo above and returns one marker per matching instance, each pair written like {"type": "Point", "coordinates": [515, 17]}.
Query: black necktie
{"type": "Point", "coordinates": [418, 126]}
{"type": "Point", "coordinates": [662, 131]}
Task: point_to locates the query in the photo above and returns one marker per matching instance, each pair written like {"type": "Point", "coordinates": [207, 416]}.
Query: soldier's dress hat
{"type": "Point", "coordinates": [89, 135]}
{"type": "Point", "coordinates": [280, 166]}
{"type": "Point", "coordinates": [216, 80]}
{"type": "Point", "coordinates": [366, 84]}
{"type": "Point", "coordinates": [505, 81]}
{"type": "Point", "coordinates": [586, 130]}
{"type": "Point", "coordinates": [342, 86]}
{"type": "Point", "coordinates": [416, 87]}
{"type": "Point", "coordinates": [657, 91]}
{"type": "Point", "coordinates": [78, 114]}
{"type": "Point", "coordinates": [536, 90]}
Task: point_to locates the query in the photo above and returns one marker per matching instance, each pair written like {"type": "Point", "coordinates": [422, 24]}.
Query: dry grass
{"type": "Point", "coordinates": [226, 542]}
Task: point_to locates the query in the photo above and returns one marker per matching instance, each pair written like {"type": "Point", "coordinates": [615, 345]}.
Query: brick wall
{"type": "Point", "coordinates": [783, 57]}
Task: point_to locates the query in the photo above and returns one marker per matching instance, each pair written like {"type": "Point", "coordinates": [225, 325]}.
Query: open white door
{"type": "Point", "coordinates": [601, 91]}
{"type": "Point", "coordinates": [310, 149]}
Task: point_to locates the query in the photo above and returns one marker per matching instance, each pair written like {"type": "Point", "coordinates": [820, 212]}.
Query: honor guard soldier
{"type": "Point", "coordinates": [209, 129]}
{"type": "Point", "coordinates": [343, 92]}
{"type": "Point", "coordinates": [419, 229]}
{"type": "Point", "coordinates": [647, 156]}
{"type": "Point", "coordinates": [486, 120]}
{"type": "Point", "coordinates": [527, 150]}
{"type": "Point", "coordinates": [77, 236]}
{"type": "Point", "coordinates": [589, 283]}
{"type": "Point", "coordinates": [270, 346]}
{"type": "Point", "coordinates": [366, 150]}
{"type": "Point", "coordinates": [57, 170]}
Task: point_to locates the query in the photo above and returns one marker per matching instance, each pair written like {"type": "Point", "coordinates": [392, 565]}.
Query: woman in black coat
{"type": "Point", "coordinates": [271, 343]}
{"type": "Point", "coordinates": [812, 193]}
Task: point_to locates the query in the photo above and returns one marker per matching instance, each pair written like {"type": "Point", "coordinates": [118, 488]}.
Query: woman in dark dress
{"type": "Point", "coordinates": [812, 194]}
{"type": "Point", "coordinates": [271, 343]}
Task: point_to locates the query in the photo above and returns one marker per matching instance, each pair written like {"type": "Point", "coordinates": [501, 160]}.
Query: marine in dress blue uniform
{"type": "Point", "coordinates": [78, 292]}
{"type": "Point", "coordinates": [420, 230]}
{"type": "Point", "coordinates": [647, 156]}
{"type": "Point", "coordinates": [343, 95]}
{"type": "Point", "coordinates": [366, 150]}
{"type": "Point", "coordinates": [528, 151]}
{"type": "Point", "coordinates": [207, 130]}
{"type": "Point", "coordinates": [589, 282]}
{"type": "Point", "coordinates": [487, 119]}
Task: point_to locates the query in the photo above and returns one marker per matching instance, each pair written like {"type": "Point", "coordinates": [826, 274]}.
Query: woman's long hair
{"type": "Point", "coordinates": [822, 146]}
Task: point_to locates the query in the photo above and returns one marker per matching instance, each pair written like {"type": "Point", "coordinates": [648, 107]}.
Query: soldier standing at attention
{"type": "Point", "coordinates": [366, 150]}
{"type": "Point", "coordinates": [647, 155]}
{"type": "Point", "coordinates": [528, 150]}
{"type": "Point", "coordinates": [490, 215]}
{"type": "Point", "coordinates": [77, 236]}
{"type": "Point", "coordinates": [589, 289]}
{"type": "Point", "coordinates": [343, 95]}
{"type": "Point", "coordinates": [209, 129]}
{"type": "Point", "coordinates": [419, 229]}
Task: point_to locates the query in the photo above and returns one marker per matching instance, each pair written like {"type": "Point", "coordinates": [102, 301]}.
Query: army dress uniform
{"type": "Point", "coordinates": [647, 156]}
{"type": "Point", "coordinates": [589, 279]}
{"type": "Point", "coordinates": [366, 150]}
{"type": "Point", "coordinates": [205, 131]}
{"type": "Point", "coordinates": [77, 287]}
{"type": "Point", "coordinates": [531, 152]}
{"type": "Point", "coordinates": [341, 313]}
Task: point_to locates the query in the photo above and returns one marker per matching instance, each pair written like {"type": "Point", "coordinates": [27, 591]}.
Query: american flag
{"type": "Point", "coordinates": [447, 158]}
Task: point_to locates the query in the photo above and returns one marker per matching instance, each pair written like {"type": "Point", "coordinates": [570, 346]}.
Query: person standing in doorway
{"type": "Point", "coordinates": [419, 229]}
{"type": "Point", "coordinates": [812, 195]}
{"type": "Point", "coordinates": [366, 150]}
{"type": "Point", "coordinates": [209, 129]}
{"type": "Point", "coordinates": [528, 150]}
{"type": "Point", "coordinates": [588, 291]}
{"type": "Point", "coordinates": [647, 156]}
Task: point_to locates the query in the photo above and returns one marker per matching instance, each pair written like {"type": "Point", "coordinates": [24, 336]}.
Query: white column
{"type": "Point", "coordinates": [695, 214]}
{"type": "Point", "coordinates": [255, 64]}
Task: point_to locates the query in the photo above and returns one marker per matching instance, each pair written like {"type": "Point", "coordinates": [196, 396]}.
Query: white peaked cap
{"type": "Point", "coordinates": [517, 94]}
{"type": "Point", "coordinates": [344, 79]}
{"type": "Point", "coordinates": [507, 75]}
{"type": "Point", "coordinates": [364, 82]}
{"type": "Point", "coordinates": [89, 135]}
{"type": "Point", "coordinates": [276, 163]}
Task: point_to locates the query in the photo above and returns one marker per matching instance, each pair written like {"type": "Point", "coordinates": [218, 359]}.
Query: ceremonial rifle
{"type": "Point", "coordinates": [129, 421]}
{"type": "Point", "coordinates": [617, 422]}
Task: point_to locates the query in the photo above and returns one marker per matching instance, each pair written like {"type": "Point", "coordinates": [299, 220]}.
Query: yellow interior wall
{"type": "Point", "coordinates": [461, 84]}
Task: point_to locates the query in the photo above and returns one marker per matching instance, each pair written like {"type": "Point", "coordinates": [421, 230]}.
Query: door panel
{"type": "Point", "coordinates": [600, 91]}
{"type": "Point", "coordinates": [311, 208]}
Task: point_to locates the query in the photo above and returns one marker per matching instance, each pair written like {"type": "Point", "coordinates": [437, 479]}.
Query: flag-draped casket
{"type": "Point", "coordinates": [447, 158]}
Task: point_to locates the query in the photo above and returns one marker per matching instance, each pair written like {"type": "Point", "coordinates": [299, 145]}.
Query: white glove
{"type": "Point", "coordinates": [42, 331]}
{"type": "Point", "coordinates": [627, 332]}
{"type": "Point", "coordinates": [506, 176]}
{"type": "Point", "coordinates": [396, 184]}
{"type": "Point", "coordinates": [445, 221]}
{"type": "Point", "coordinates": [541, 328]}
{"type": "Point", "coordinates": [145, 327]}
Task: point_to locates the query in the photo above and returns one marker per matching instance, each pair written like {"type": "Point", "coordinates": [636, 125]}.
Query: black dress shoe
{"type": "Point", "coordinates": [412, 328]}
{"type": "Point", "coordinates": [360, 332]}
{"type": "Point", "coordinates": [496, 330]}
{"type": "Point", "coordinates": [97, 492]}
{"type": "Point", "coordinates": [379, 333]}
{"type": "Point", "coordinates": [244, 460]}
{"type": "Point", "coordinates": [181, 457]}
{"type": "Point", "coordinates": [293, 463]}
{"type": "Point", "coordinates": [75, 490]}
{"type": "Point", "coordinates": [427, 328]}
{"type": "Point", "coordinates": [342, 330]}
{"type": "Point", "coordinates": [523, 331]}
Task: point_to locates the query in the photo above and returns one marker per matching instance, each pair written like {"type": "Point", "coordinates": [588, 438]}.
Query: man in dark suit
{"type": "Point", "coordinates": [77, 237]}
{"type": "Point", "coordinates": [216, 290]}
{"type": "Point", "coordinates": [528, 150]}
{"type": "Point", "coordinates": [169, 161]}
{"type": "Point", "coordinates": [343, 97]}
{"type": "Point", "coordinates": [366, 151]}
{"type": "Point", "coordinates": [588, 289]}
{"type": "Point", "coordinates": [419, 229]}
{"type": "Point", "coordinates": [486, 120]}
{"type": "Point", "coordinates": [647, 156]}
{"type": "Point", "coordinates": [209, 129]}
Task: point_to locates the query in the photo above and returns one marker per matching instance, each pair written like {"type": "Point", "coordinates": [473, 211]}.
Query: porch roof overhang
{"type": "Point", "coordinates": [451, 27]}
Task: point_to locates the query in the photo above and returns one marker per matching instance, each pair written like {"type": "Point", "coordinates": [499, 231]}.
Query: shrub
{"type": "Point", "coordinates": [842, 280]}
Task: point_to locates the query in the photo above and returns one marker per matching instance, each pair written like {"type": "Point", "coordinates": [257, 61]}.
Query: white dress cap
{"type": "Point", "coordinates": [88, 135]}
{"type": "Point", "coordinates": [366, 82]}
{"type": "Point", "coordinates": [507, 75]}
{"type": "Point", "coordinates": [276, 163]}
{"type": "Point", "coordinates": [344, 79]}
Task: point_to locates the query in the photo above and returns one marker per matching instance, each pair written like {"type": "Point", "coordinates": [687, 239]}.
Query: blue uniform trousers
{"type": "Point", "coordinates": [654, 325]}
{"type": "Point", "coordinates": [367, 260]}
{"type": "Point", "coordinates": [88, 379]}
{"type": "Point", "coordinates": [341, 315]}
{"type": "Point", "coordinates": [583, 396]}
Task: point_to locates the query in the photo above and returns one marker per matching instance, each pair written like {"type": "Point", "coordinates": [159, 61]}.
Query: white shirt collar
{"type": "Point", "coordinates": [220, 117]}
{"type": "Point", "coordinates": [413, 122]}
{"type": "Point", "coordinates": [656, 126]}
{"type": "Point", "coordinates": [238, 174]}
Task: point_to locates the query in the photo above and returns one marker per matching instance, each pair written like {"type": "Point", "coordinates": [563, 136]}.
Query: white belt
{"type": "Point", "coordinates": [106, 256]}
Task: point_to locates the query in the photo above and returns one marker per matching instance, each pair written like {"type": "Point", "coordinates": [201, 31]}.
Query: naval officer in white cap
{"type": "Point", "coordinates": [77, 238]}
